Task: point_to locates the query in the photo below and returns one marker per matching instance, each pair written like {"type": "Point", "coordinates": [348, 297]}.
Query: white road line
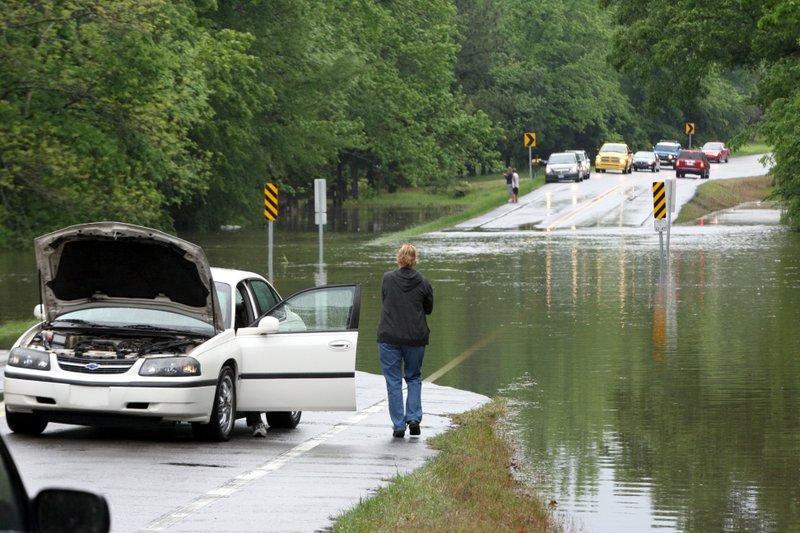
{"type": "Point", "coordinates": [239, 482]}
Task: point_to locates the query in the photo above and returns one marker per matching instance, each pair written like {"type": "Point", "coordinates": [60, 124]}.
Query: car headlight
{"type": "Point", "coordinates": [29, 358]}
{"type": "Point", "coordinates": [573, 168]}
{"type": "Point", "coordinates": [171, 367]}
{"type": "Point", "coordinates": [547, 169]}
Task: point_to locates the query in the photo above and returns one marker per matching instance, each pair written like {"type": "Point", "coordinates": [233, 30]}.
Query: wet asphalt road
{"type": "Point", "coordinates": [293, 480]}
{"type": "Point", "coordinates": [611, 199]}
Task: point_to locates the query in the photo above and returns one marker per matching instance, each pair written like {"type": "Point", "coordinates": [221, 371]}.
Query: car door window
{"type": "Point", "coordinates": [265, 296]}
{"type": "Point", "coordinates": [244, 311]}
{"type": "Point", "coordinates": [332, 308]}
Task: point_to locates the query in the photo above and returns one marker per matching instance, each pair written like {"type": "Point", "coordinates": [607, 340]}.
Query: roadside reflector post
{"type": "Point", "coordinates": [271, 214]}
{"type": "Point", "coordinates": [660, 218]}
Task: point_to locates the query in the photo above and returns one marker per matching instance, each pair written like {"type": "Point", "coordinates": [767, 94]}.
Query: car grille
{"type": "Point", "coordinates": [88, 366]}
{"type": "Point", "coordinates": [606, 159]}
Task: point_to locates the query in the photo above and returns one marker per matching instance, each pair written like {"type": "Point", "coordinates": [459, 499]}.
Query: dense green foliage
{"type": "Point", "coordinates": [688, 52]}
{"type": "Point", "coordinates": [173, 113]}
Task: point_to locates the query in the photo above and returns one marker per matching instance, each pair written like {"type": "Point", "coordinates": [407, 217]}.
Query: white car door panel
{"type": "Point", "coordinates": [309, 363]}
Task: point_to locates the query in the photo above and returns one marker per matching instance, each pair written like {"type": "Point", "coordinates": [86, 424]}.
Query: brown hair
{"type": "Point", "coordinates": [407, 256]}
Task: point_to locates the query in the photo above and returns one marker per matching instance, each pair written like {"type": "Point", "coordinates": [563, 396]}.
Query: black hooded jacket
{"type": "Point", "coordinates": [407, 298]}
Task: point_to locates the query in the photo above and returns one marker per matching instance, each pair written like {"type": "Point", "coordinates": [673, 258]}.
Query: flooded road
{"type": "Point", "coordinates": [644, 399]}
{"type": "Point", "coordinates": [608, 199]}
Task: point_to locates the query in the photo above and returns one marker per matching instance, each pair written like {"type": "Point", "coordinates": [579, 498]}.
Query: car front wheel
{"type": "Point", "coordinates": [25, 423]}
{"type": "Point", "coordinates": [283, 419]}
{"type": "Point", "coordinates": [223, 410]}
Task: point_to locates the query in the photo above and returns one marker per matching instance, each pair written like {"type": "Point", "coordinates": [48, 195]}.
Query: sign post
{"type": "Point", "coordinates": [530, 143]}
{"type": "Point", "coordinates": [660, 213]}
{"type": "Point", "coordinates": [271, 214]}
{"type": "Point", "coordinates": [320, 216]}
{"type": "Point", "coordinates": [663, 206]}
{"type": "Point", "coordinates": [690, 130]}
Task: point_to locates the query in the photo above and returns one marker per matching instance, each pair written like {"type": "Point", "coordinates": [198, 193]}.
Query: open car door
{"type": "Point", "coordinates": [301, 355]}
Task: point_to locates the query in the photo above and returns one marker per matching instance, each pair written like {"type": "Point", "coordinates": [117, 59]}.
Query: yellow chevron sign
{"type": "Point", "coordinates": [271, 202]}
{"type": "Point", "coordinates": [530, 140]}
{"type": "Point", "coordinates": [659, 200]}
{"type": "Point", "coordinates": [689, 128]}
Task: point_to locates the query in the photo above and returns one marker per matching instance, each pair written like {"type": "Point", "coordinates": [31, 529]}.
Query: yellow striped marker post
{"type": "Point", "coordinates": [271, 214]}
{"type": "Point", "coordinates": [660, 219]}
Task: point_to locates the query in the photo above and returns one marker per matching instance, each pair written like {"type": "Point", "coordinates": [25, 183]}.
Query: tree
{"type": "Point", "coordinates": [682, 52]}
{"type": "Point", "coordinates": [97, 100]}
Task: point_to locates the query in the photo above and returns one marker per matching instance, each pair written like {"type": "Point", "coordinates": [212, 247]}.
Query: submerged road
{"type": "Point", "coordinates": [610, 199]}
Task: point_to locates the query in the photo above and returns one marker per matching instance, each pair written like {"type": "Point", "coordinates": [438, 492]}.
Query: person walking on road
{"type": "Point", "coordinates": [403, 333]}
{"type": "Point", "coordinates": [514, 186]}
{"type": "Point", "coordinates": [509, 176]}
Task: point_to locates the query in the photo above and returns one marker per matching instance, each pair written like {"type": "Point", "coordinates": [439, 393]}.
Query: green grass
{"type": "Point", "coordinates": [10, 331]}
{"type": "Point", "coordinates": [467, 487]}
{"type": "Point", "coordinates": [480, 198]}
{"type": "Point", "coordinates": [751, 149]}
{"type": "Point", "coordinates": [724, 194]}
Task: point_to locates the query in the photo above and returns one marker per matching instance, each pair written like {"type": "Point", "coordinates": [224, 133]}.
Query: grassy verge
{"type": "Point", "coordinates": [10, 331]}
{"type": "Point", "coordinates": [467, 487]}
{"type": "Point", "coordinates": [724, 194]}
{"type": "Point", "coordinates": [751, 149]}
{"type": "Point", "coordinates": [481, 197]}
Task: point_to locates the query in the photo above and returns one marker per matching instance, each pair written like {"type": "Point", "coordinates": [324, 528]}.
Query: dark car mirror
{"type": "Point", "coordinates": [71, 510]}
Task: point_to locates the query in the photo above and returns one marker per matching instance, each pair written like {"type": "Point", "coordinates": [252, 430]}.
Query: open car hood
{"type": "Point", "coordinates": [113, 264]}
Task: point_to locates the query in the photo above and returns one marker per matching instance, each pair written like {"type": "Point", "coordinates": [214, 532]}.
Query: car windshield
{"type": "Point", "coordinates": [643, 155]}
{"type": "Point", "coordinates": [561, 159]}
{"type": "Point", "coordinates": [667, 146]}
{"type": "Point", "coordinates": [712, 146]}
{"type": "Point", "coordinates": [619, 148]}
{"type": "Point", "coordinates": [134, 317]}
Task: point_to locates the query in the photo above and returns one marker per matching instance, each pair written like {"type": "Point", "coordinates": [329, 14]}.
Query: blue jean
{"type": "Point", "coordinates": [400, 361]}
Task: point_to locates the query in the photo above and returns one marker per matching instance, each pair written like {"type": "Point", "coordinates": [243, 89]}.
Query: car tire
{"type": "Point", "coordinates": [678, 175]}
{"type": "Point", "coordinates": [283, 419]}
{"type": "Point", "coordinates": [25, 423]}
{"type": "Point", "coordinates": [223, 410]}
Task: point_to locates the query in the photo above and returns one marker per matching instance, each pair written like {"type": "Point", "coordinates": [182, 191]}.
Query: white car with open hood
{"type": "Point", "coordinates": [137, 328]}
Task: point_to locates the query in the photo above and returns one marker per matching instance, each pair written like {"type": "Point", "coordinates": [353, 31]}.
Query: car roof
{"type": "Point", "coordinates": [232, 276]}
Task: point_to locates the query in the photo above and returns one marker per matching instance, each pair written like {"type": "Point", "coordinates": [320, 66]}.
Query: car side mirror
{"type": "Point", "coordinates": [269, 324]}
{"type": "Point", "coordinates": [71, 510]}
{"type": "Point", "coordinates": [266, 326]}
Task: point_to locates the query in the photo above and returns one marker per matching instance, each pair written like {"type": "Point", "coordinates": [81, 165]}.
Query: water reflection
{"type": "Point", "coordinates": [643, 400]}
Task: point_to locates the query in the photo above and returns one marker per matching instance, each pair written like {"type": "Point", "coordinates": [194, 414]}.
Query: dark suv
{"type": "Point", "coordinates": [692, 162]}
{"type": "Point", "coordinates": [667, 152]}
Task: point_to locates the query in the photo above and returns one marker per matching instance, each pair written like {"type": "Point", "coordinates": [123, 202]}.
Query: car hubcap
{"type": "Point", "coordinates": [225, 406]}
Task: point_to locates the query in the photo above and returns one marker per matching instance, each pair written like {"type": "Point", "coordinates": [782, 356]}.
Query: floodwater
{"type": "Point", "coordinates": [646, 396]}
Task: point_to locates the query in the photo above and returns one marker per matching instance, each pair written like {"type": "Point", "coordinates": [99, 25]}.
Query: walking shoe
{"type": "Point", "coordinates": [399, 433]}
{"type": "Point", "coordinates": [260, 430]}
{"type": "Point", "coordinates": [413, 428]}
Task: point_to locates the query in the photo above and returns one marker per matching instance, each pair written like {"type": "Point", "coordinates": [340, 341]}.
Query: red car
{"type": "Point", "coordinates": [716, 151]}
{"type": "Point", "coordinates": [692, 162]}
